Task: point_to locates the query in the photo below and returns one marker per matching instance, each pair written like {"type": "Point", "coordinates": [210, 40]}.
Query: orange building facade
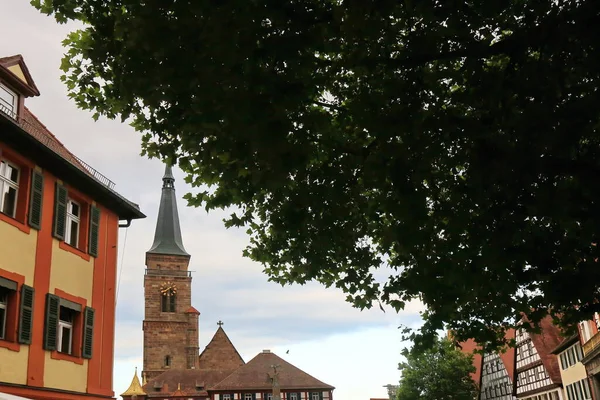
{"type": "Point", "coordinates": [59, 222]}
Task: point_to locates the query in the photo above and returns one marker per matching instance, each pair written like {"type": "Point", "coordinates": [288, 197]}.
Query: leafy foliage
{"type": "Point", "coordinates": [441, 372]}
{"type": "Point", "coordinates": [454, 144]}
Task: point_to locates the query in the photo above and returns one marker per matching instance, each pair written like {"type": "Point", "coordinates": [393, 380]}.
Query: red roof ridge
{"type": "Point", "coordinates": [34, 124]}
{"type": "Point", "coordinates": [192, 310]}
{"type": "Point", "coordinates": [544, 343]}
{"type": "Point", "coordinates": [248, 376]}
{"type": "Point", "coordinates": [8, 59]}
{"type": "Point", "coordinates": [31, 114]}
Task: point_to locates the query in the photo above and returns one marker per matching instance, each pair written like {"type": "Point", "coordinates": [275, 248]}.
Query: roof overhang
{"type": "Point", "coordinates": [22, 142]}
{"type": "Point", "coordinates": [6, 396]}
{"type": "Point", "coordinates": [565, 344]}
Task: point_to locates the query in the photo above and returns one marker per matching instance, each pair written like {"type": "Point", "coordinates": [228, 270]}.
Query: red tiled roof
{"type": "Point", "coordinates": [544, 343]}
{"type": "Point", "coordinates": [38, 130]}
{"type": "Point", "coordinates": [255, 376]}
{"type": "Point", "coordinates": [192, 310]}
{"type": "Point", "coordinates": [508, 357]}
{"type": "Point", "coordinates": [220, 353]}
{"type": "Point", "coordinates": [469, 347]}
{"type": "Point", "coordinates": [186, 380]}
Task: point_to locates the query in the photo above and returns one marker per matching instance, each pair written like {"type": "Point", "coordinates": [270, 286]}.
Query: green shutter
{"type": "Point", "coordinates": [51, 325]}
{"type": "Point", "coordinates": [88, 332]}
{"type": "Point", "coordinates": [94, 231]}
{"type": "Point", "coordinates": [26, 314]}
{"type": "Point", "coordinates": [60, 212]}
{"type": "Point", "coordinates": [36, 197]}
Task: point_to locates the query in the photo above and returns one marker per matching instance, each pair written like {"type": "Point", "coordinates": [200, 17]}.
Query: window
{"type": "Point", "coordinates": [3, 308]}
{"type": "Point", "coordinates": [579, 390]}
{"type": "Point", "coordinates": [9, 188]}
{"type": "Point", "coordinates": [168, 301]}
{"type": "Point", "coordinates": [69, 328]}
{"type": "Point", "coordinates": [227, 397]}
{"type": "Point", "coordinates": [8, 101]}
{"type": "Point", "coordinates": [167, 361]}
{"type": "Point", "coordinates": [73, 223]}
{"type": "Point", "coordinates": [571, 356]}
{"type": "Point", "coordinates": [586, 388]}
{"type": "Point", "coordinates": [585, 331]}
{"type": "Point", "coordinates": [248, 396]}
{"type": "Point", "coordinates": [76, 221]}
{"type": "Point", "coordinates": [65, 330]}
{"type": "Point", "coordinates": [315, 396]}
{"type": "Point", "coordinates": [293, 396]}
{"type": "Point", "coordinates": [15, 319]}
{"type": "Point", "coordinates": [268, 396]}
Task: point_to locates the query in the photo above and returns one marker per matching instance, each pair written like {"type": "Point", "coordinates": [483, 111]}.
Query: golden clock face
{"type": "Point", "coordinates": [168, 288]}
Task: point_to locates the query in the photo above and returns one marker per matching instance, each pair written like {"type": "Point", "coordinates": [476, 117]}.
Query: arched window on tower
{"type": "Point", "coordinates": [167, 361]}
{"type": "Point", "coordinates": [168, 297]}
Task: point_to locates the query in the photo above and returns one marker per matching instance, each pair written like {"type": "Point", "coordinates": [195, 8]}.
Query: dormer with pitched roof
{"type": "Point", "coordinates": [16, 83]}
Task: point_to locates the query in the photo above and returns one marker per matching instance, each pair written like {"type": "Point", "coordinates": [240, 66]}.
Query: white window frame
{"type": "Point", "coordinates": [315, 396]}
{"type": "Point", "coordinates": [226, 396]}
{"type": "Point", "coordinates": [247, 396]}
{"type": "Point", "coordinates": [4, 306]}
{"type": "Point", "coordinates": [293, 396]}
{"type": "Point", "coordinates": [67, 325]}
{"type": "Point", "coordinates": [585, 331]}
{"type": "Point", "coordinates": [9, 109]}
{"type": "Point", "coordinates": [70, 219]}
{"type": "Point", "coordinates": [268, 396]}
{"type": "Point", "coordinates": [6, 181]}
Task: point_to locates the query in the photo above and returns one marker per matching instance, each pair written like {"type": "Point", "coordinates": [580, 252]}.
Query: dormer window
{"type": "Point", "coordinates": [9, 101]}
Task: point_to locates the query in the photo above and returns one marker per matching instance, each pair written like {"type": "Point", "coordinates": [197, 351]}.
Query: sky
{"type": "Point", "coordinates": [357, 352]}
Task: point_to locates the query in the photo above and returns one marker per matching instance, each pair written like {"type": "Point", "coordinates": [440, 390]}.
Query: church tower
{"type": "Point", "coordinates": [170, 322]}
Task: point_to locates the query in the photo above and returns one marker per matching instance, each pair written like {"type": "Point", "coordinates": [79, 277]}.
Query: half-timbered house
{"type": "Point", "coordinates": [537, 370]}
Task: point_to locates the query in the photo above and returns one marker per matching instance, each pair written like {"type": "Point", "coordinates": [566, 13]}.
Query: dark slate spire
{"type": "Point", "coordinates": [167, 238]}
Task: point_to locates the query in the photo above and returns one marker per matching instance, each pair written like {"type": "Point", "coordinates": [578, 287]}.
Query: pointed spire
{"type": "Point", "coordinates": [135, 389]}
{"type": "Point", "coordinates": [167, 237]}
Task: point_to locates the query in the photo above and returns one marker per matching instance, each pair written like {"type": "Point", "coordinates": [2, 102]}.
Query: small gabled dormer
{"type": "Point", "coordinates": [15, 84]}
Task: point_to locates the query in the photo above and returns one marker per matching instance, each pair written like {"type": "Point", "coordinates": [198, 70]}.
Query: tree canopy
{"type": "Point", "coordinates": [441, 372]}
{"type": "Point", "coordinates": [399, 150]}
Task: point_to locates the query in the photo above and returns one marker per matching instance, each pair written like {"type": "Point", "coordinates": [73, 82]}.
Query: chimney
{"type": "Point", "coordinates": [266, 351]}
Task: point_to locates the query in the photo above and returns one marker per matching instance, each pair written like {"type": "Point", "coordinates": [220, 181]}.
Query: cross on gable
{"type": "Point", "coordinates": [220, 323]}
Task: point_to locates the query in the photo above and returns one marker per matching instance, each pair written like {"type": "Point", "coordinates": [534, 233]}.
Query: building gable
{"type": "Point", "coordinates": [220, 353]}
{"type": "Point", "coordinates": [496, 383]}
{"type": "Point", "coordinates": [537, 367]}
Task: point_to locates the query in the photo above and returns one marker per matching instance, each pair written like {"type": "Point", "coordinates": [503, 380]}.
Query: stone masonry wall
{"type": "Point", "coordinates": [165, 333]}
